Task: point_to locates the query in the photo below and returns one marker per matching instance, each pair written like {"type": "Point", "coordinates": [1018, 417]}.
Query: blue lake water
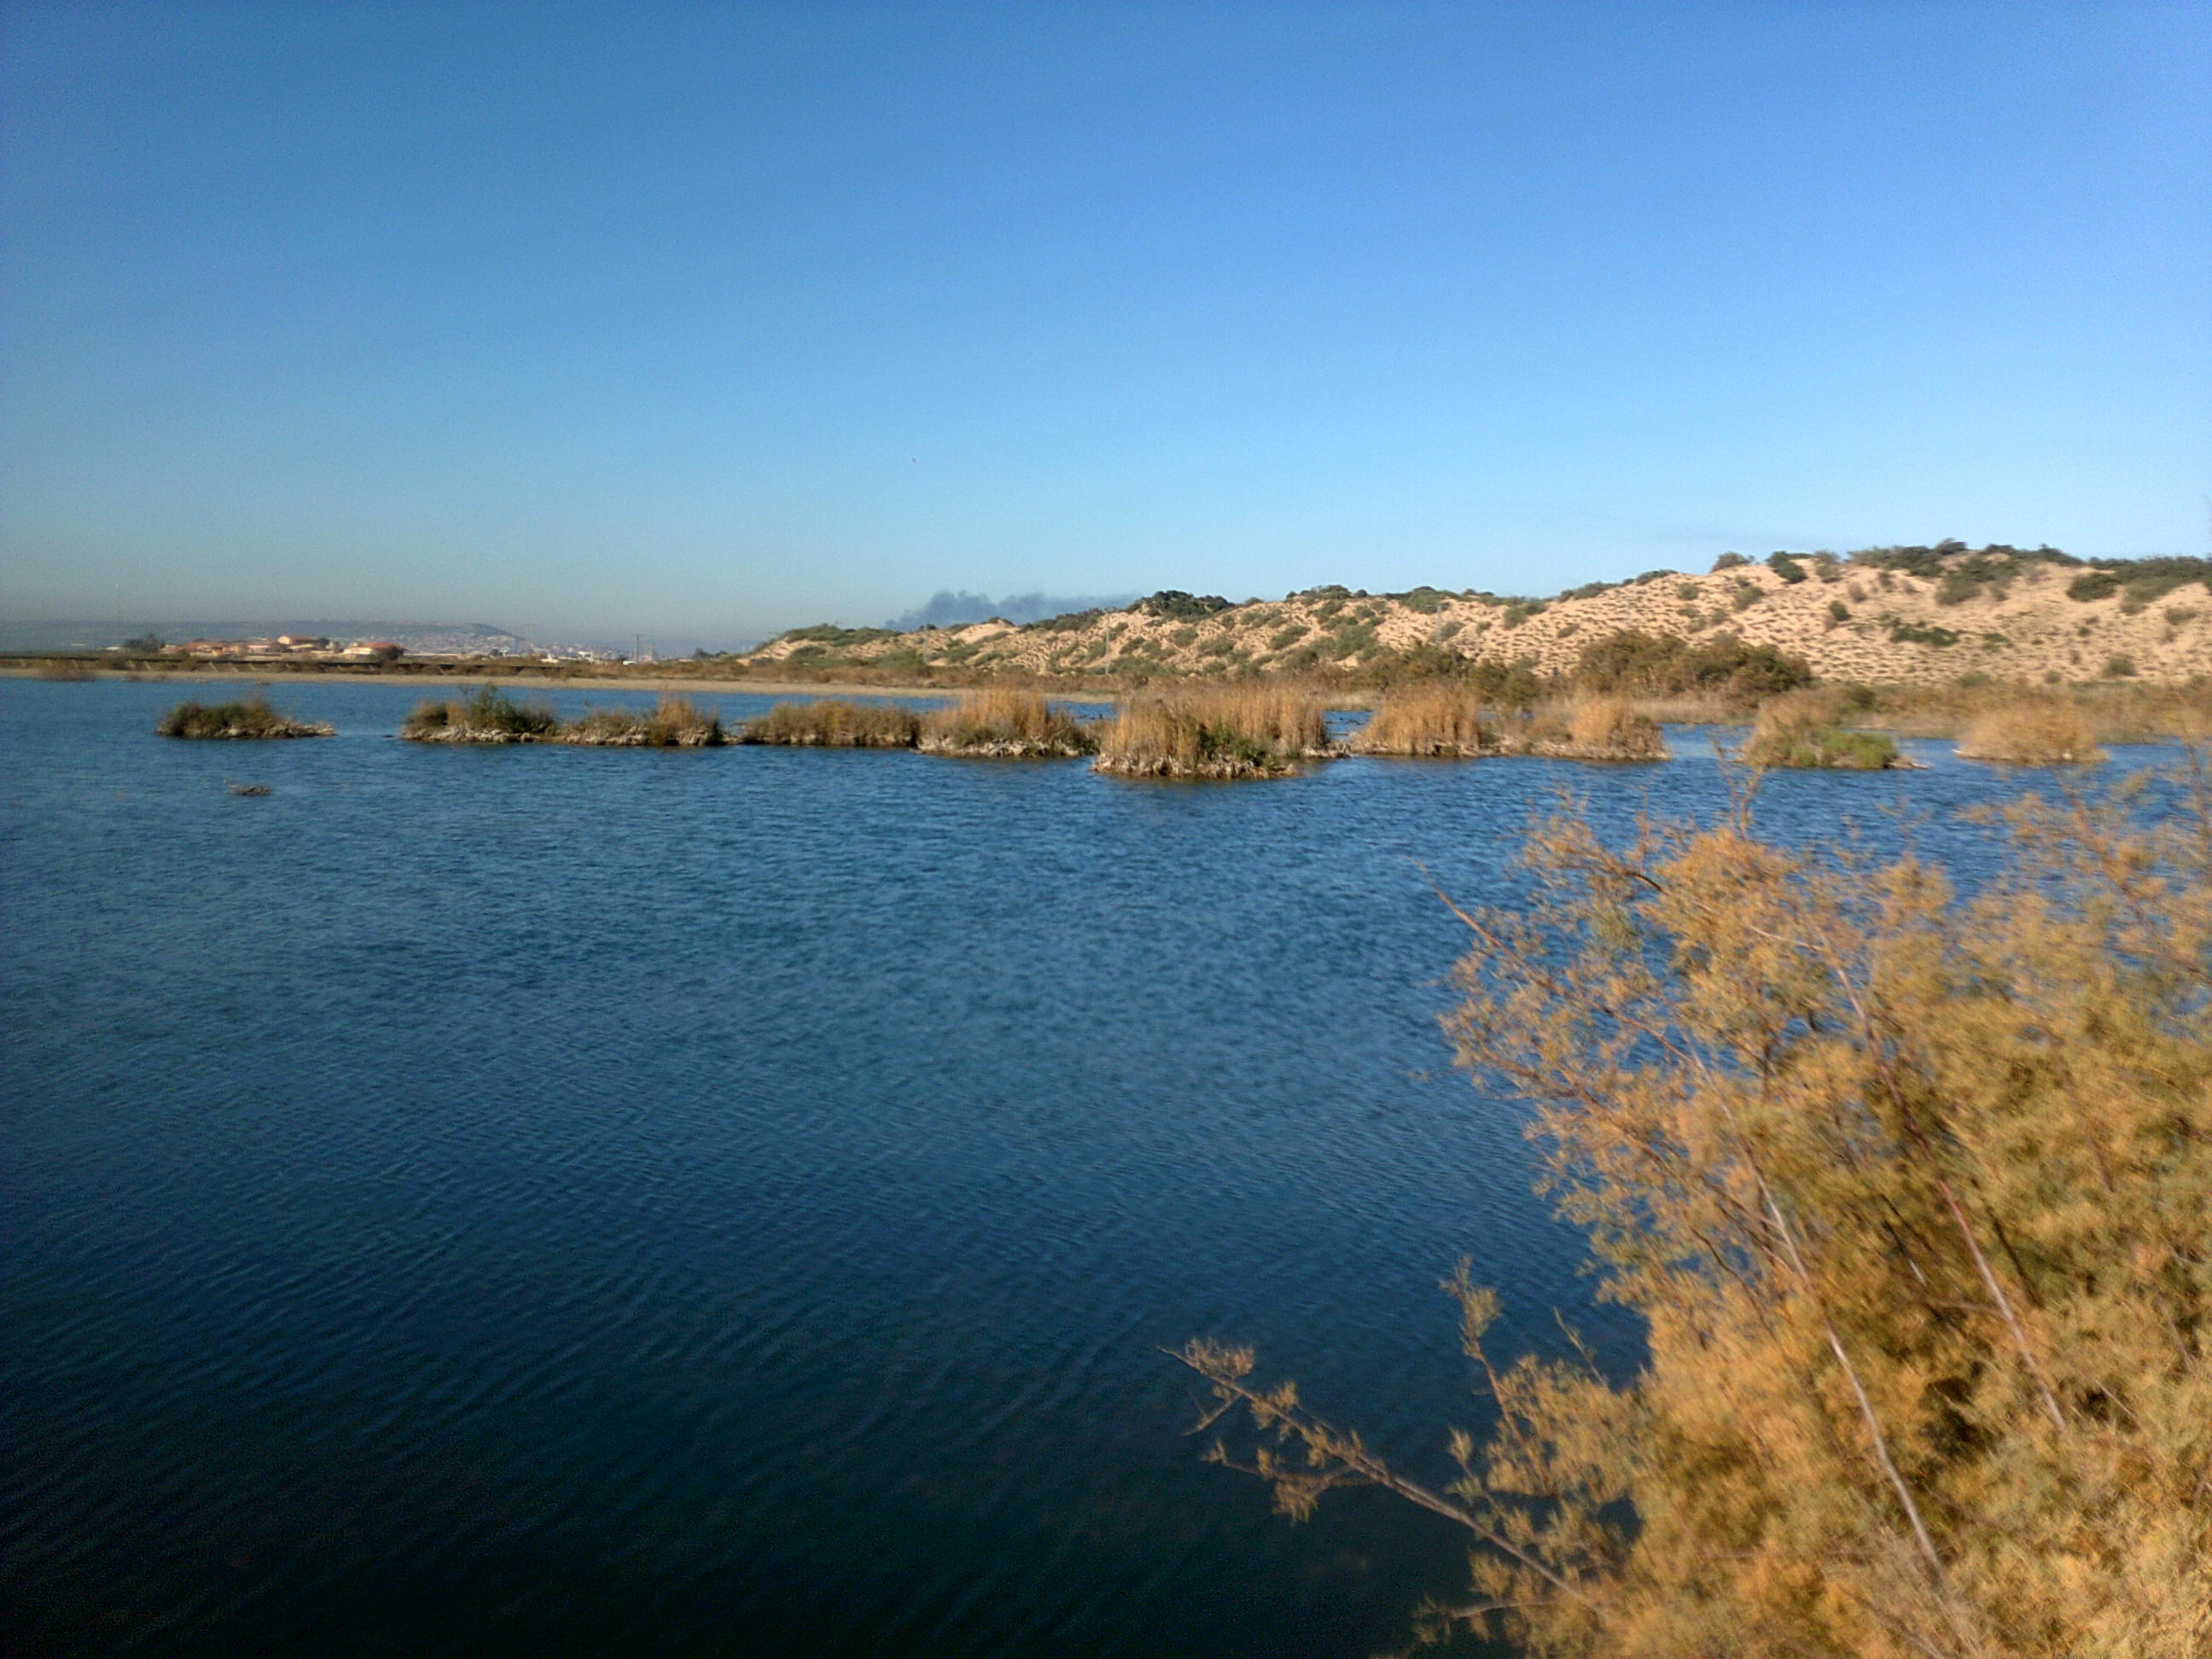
{"type": "Point", "coordinates": [549, 1201]}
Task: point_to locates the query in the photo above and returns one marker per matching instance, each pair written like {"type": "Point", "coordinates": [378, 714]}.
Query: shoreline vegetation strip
{"type": "Point", "coordinates": [1206, 731]}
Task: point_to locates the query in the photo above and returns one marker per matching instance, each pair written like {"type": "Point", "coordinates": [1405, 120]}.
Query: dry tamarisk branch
{"type": "Point", "coordinates": [1910, 1189]}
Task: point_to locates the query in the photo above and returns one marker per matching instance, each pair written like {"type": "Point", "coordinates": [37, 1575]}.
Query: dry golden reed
{"type": "Point", "coordinates": [1601, 728]}
{"type": "Point", "coordinates": [1443, 722]}
{"type": "Point", "coordinates": [2116, 711]}
{"type": "Point", "coordinates": [674, 722]}
{"type": "Point", "coordinates": [1005, 721]}
{"type": "Point", "coordinates": [1909, 1191]}
{"type": "Point", "coordinates": [1199, 731]}
{"type": "Point", "coordinates": [2031, 731]}
{"type": "Point", "coordinates": [836, 723]}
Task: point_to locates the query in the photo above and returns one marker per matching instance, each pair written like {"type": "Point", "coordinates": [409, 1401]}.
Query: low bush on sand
{"type": "Point", "coordinates": [1005, 723]}
{"type": "Point", "coordinates": [674, 722]}
{"type": "Point", "coordinates": [836, 723]}
{"type": "Point", "coordinates": [2032, 732]}
{"type": "Point", "coordinates": [1214, 732]}
{"type": "Point", "coordinates": [1446, 721]}
{"type": "Point", "coordinates": [250, 717]}
{"type": "Point", "coordinates": [1633, 664]}
{"type": "Point", "coordinates": [1800, 730]}
{"type": "Point", "coordinates": [1584, 728]}
{"type": "Point", "coordinates": [487, 714]}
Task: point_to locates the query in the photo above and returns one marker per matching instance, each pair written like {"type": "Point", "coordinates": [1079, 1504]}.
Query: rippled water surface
{"type": "Point", "coordinates": [548, 1202]}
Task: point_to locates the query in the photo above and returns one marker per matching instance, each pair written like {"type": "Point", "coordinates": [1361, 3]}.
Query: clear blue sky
{"type": "Point", "coordinates": [708, 319]}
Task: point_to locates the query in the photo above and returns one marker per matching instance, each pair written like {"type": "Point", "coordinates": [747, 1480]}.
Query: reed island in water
{"type": "Point", "coordinates": [1215, 732]}
{"type": "Point", "coordinates": [249, 718]}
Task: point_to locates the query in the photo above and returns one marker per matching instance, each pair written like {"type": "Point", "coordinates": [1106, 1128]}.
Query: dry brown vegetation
{"type": "Point", "coordinates": [1584, 728]}
{"type": "Point", "coordinates": [2046, 731]}
{"type": "Point", "coordinates": [487, 714]}
{"type": "Point", "coordinates": [1447, 719]}
{"type": "Point", "coordinates": [836, 723]}
{"type": "Point", "coordinates": [2116, 711]}
{"type": "Point", "coordinates": [1804, 730]}
{"type": "Point", "coordinates": [674, 722]}
{"type": "Point", "coordinates": [1214, 732]}
{"type": "Point", "coordinates": [1005, 723]}
{"type": "Point", "coordinates": [1910, 1191]}
{"type": "Point", "coordinates": [1441, 720]}
{"type": "Point", "coordinates": [249, 718]}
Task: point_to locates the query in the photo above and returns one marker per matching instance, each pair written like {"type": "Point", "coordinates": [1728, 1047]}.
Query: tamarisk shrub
{"type": "Point", "coordinates": [1913, 1192]}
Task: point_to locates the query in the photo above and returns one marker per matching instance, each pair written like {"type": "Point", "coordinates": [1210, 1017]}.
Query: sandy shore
{"type": "Point", "coordinates": [275, 677]}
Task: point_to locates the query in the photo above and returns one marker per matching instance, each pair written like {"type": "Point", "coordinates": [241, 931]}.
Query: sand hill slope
{"type": "Point", "coordinates": [1912, 615]}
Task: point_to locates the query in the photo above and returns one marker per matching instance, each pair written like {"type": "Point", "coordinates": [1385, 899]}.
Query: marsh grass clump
{"type": "Point", "coordinates": [674, 722]}
{"type": "Point", "coordinates": [487, 714]}
{"type": "Point", "coordinates": [1906, 1190]}
{"type": "Point", "coordinates": [2113, 711]}
{"type": "Point", "coordinates": [2031, 731]}
{"type": "Point", "coordinates": [1201, 731]}
{"type": "Point", "coordinates": [248, 718]}
{"type": "Point", "coordinates": [1801, 730]}
{"type": "Point", "coordinates": [1436, 721]}
{"type": "Point", "coordinates": [1008, 724]}
{"type": "Point", "coordinates": [1595, 728]}
{"type": "Point", "coordinates": [836, 723]}
{"type": "Point", "coordinates": [427, 720]}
